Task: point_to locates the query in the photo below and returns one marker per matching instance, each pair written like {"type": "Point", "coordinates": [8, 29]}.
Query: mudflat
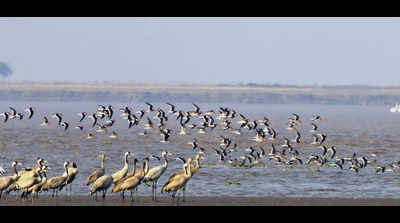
{"type": "Point", "coordinates": [195, 201]}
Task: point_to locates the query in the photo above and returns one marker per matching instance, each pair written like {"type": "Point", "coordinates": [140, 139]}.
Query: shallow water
{"type": "Point", "coordinates": [360, 129]}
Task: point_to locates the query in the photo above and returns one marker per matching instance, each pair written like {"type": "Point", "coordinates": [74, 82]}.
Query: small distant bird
{"type": "Point", "coordinates": [316, 140]}
{"type": "Point", "coordinates": [6, 115]}
{"type": "Point", "coordinates": [314, 128]}
{"type": "Point", "coordinates": [45, 122]}
{"type": "Point", "coordinates": [58, 116]}
{"type": "Point", "coordinates": [90, 136]}
{"type": "Point", "coordinates": [316, 118]}
{"type": "Point", "coordinates": [171, 108]}
{"type": "Point", "coordinates": [13, 113]}
{"type": "Point", "coordinates": [79, 127]}
{"type": "Point", "coordinates": [149, 107]}
{"type": "Point", "coordinates": [65, 124]}
{"type": "Point", "coordinates": [296, 118]}
{"type": "Point", "coordinates": [30, 111]}
{"type": "Point", "coordinates": [82, 115]}
{"type": "Point", "coordinates": [19, 116]}
{"type": "Point", "coordinates": [94, 119]}
{"type": "Point", "coordinates": [114, 135]}
{"type": "Point", "coordinates": [323, 137]}
{"type": "Point", "coordinates": [291, 126]}
{"type": "Point", "coordinates": [298, 136]}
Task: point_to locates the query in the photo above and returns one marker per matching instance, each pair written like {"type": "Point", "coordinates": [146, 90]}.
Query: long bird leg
{"type": "Point", "coordinates": [123, 195]}
{"type": "Point", "coordinates": [177, 201]}
{"type": "Point", "coordinates": [152, 191]}
{"type": "Point", "coordinates": [136, 191]}
{"type": "Point", "coordinates": [155, 191]}
{"type": "Point", "coordinates": [131, 194]}
{"type": "Point", "coordinates": [104, 194]}
{"type": "Point", "coordinates": [183, 193]}
{"type": "Point", "coordinates": [173, 197]}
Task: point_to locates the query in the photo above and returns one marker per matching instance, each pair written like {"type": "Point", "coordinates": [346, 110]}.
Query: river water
{"type": "Point", "coordinates": [360, 129]}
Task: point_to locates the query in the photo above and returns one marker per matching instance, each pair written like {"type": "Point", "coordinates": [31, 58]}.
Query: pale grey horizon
{"type": "Point", "coordinates": [294, 51]}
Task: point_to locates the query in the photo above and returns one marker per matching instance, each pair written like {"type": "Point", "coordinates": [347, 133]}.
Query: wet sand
{"type": "Point", "coordinates": [196, 201]}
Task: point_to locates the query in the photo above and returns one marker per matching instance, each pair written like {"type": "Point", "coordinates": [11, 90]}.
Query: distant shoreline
{"type": "Point", "coordinates": [200, 93]}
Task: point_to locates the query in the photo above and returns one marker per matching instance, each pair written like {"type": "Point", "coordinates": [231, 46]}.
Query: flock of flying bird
{"type": "Point", "coordinates": [283, 151]}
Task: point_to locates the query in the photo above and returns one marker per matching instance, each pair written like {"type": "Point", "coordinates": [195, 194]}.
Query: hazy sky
{"type": "Point", "coordinates": [203, 50]}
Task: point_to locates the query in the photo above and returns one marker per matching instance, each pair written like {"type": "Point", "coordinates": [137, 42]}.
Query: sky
{"type": "Point", "coordinates": [296, 51]}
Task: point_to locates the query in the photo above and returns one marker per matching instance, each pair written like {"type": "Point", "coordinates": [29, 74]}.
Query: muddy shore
{"type": "Point", "coordinates": [196, 201]}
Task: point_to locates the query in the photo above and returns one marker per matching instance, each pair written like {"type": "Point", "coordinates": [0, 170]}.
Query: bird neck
{"type": "Point", "coordinates": [146, 166]}
{"type": "Point", "coordinates": [66, 171]}
{"type": "Point", "coordinates": [166, 161]}
{"type": "Point", "coordinates": [143, 168]}
{"type": "Point", "coordinates": [188, 172]}
{"type": "Point", "coordinates": [15, 170]}
{"type": "Point", "coordinates": [134, 168]}
{"type": "Point", "coordinates": [102, 162]}
{"type": "Point", "coordinates": [126, 164]}
{"type": "Point", "coordinates": [197, 162]}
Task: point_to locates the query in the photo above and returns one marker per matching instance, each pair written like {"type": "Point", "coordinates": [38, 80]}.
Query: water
{"type": "Point", "coordinates": [359, 129]}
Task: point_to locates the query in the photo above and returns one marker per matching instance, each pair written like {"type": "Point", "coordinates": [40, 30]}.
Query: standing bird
{"type": "Point", "coordinates": [8, 180]}
{"type": "Point", "coordinates": [35, 189]}
{"type": "Point", "coordinates": [55, 183]}
{"type": "Point", "coordinates": [24, 183]}
{"type": "Point", "coordinates": [182, 173]}
{"type": "Point", "coordinates": [97, 173]}
{"type": "Point", "coordinates": [101, 184]}
{"type": "Point", "coordinates": [72, 172]}
{"type": "Point", "coordinates": [121, 173]}
{"type": "Point", "coordinates": [178, 183]}
{"type": "Point", "coordinates": [155, 173]}
{"type": "Point", "coordinates": [132, 182]}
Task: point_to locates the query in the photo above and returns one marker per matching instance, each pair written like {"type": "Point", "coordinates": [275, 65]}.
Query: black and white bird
{"type": "Point", "coordinates": [171, 108]}
{"type": "Point", "coordinates": [149, 107]}
{"type": "Point", "coordinates": [31, 111]}
{"type": "Point", "coordinates": [65, 124]}
{"type": "Point", "coordinates": [82, 115]}
{"type": "Point", "coordinates": [323, 137]}
{"type": "Point", "coordinates": [314, 128]}
{"type": "Point", "coordinates": [94, 119]}
{"type": "Point", "coordinates": [316, 118]}
{"type": "Point", "coordinates": [58, 116]}
{"type": "Point", "coordinates": [6, 115]}
{"type": "Point", "coordinates": [45, 122]}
